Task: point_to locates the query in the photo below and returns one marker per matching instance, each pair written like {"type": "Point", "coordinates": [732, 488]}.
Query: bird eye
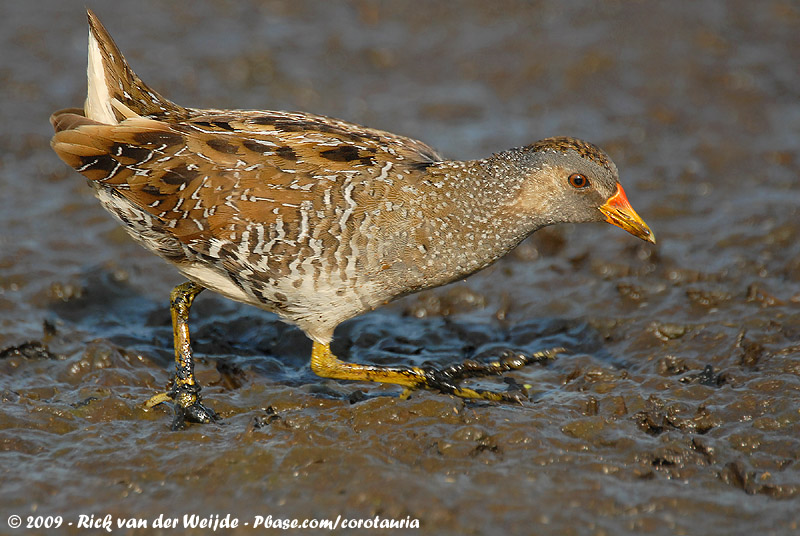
{"type": "Point", "coordinates": [578, 180]}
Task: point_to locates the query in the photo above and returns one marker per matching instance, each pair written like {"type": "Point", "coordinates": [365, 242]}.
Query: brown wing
{"type": "Point", "coordinates": [223, 178]}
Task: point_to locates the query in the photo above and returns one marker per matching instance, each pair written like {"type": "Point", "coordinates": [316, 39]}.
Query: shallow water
{"type": "Point", "coordinates": [676, 410]}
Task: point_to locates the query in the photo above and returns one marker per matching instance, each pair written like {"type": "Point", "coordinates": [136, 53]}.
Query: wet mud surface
{"type": "Point", "coordinates": [676, 409]}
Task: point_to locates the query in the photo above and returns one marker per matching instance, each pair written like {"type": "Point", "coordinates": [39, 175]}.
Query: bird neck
{"type": "Point", "coordinates": [469, 223]}
{"type": "Point", "coordinates": [484, 192]}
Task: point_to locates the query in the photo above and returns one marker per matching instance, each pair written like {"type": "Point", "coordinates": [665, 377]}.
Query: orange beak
{"type": "Point", "coordinates": [619, 212]}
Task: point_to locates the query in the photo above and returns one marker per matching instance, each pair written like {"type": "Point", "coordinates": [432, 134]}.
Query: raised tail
{"type": "Point", "coordinates": [114, 90]}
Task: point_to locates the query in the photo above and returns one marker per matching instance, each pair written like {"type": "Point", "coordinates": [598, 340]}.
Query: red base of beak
{"type": "Point", "coordinates": [618, 211]}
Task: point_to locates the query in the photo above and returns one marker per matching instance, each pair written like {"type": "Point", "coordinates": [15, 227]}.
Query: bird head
{"type": "Point", "coordinates": [567, 180]}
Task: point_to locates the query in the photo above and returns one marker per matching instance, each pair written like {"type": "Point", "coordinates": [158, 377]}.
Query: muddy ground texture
{"type": "Point", "coordinates": [675, 410]}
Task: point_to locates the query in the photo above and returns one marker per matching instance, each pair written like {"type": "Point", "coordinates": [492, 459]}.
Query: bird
{"type": "Point", "coordinates": [315, 219]}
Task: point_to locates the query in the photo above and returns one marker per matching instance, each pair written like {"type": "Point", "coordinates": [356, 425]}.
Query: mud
{"type": "Point", "coordinates": [675, 410]}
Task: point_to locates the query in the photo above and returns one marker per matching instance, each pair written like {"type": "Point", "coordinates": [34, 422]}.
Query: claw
{"type": "Point", "coordinates": [448, 380]}
{"type": "Point", "coordinates": [197, 412]}
{"type": "Point", "coordinates": [155, 400]}
{"type": "Point", "coordinates": [186, 406]}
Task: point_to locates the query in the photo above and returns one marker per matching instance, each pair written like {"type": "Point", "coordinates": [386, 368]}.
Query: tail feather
{"type": "Point", "coordinates": [107, 153]}
{"type": "Point", "coordinates": [69, 118]}
{"type": "Point", "coordinates": [110, 78]}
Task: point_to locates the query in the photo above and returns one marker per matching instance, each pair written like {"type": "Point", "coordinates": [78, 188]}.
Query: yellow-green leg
{"type": "Point", "coordinates": [327, 365]}
{"type": "Point", "coordinates": [185, 392]}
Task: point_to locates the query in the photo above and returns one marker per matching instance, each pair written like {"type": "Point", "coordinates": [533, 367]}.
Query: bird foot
{"type": "Point", "coordinates": [448, 380]}
{"type": "Point", "coordinates": [185, 405]}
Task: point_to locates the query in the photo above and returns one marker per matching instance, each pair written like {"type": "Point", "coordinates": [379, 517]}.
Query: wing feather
{"type": "Point", "coordinates": [219, 176]}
